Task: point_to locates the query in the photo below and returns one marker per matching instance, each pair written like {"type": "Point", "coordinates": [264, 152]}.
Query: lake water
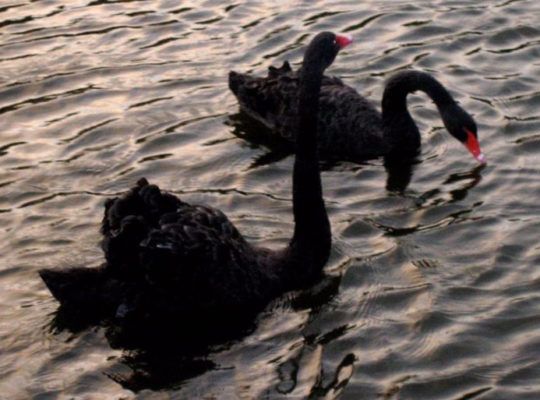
{"type": "Point", "coordinates": [433, 292]}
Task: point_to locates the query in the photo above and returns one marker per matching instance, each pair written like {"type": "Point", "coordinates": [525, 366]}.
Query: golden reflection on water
{"type": "Point", "coordinates": [432, 292]}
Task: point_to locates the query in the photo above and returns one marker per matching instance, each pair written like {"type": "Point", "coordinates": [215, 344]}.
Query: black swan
{"type": "Point", "coordinates": [166, 259]}
{"type": "Point", "coordinates": [350, 127]}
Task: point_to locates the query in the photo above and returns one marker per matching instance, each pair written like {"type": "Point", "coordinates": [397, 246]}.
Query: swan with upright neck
{"type": "Point", "coordinates": [167, 259]}
{"type": "Point", "coordinates": [350, 127]}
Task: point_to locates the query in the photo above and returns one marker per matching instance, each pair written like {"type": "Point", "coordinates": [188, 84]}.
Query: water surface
{"type": "Point", "coordinates": [433, 292]}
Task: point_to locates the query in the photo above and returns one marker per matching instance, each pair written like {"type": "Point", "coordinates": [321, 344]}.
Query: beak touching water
{"type": "Point", "coordinates": [343, 40]}
{"type": "Point", "coordinates": [474, 147]}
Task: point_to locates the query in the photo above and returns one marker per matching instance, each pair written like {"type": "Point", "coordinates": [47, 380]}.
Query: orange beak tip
{"type": "Point", "coordinates": [481, 158]}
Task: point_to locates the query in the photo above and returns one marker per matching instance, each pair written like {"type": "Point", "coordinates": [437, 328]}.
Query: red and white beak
{"type": "Point", "coordinates": [474, 147]}
{"type": "Point", "coordinates": [343, 40]}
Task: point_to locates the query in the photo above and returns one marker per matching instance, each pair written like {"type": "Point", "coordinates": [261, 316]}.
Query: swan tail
{"type": "Point", "coordinates": [244, 84]}
{"type": "Point", "coordinates": [267, 100]}
{"type": "Point", "coordinates": [238, 82]}
{"type": "Point", "coordinates": [78, 288]}
{"type": "Point", "coordinates": [274, 72]}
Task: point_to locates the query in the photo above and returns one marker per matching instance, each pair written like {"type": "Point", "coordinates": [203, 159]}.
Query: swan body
{"type": "Point", "coordinates": [170, 260]}
{"type": "Point", "coordinates": [350, 127]}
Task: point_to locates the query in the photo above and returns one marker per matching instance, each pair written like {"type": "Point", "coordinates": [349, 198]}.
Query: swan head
{"type": "Point", "coordinates": [462, 126]}
{"type": "Point", "coordinates": [323, 49]}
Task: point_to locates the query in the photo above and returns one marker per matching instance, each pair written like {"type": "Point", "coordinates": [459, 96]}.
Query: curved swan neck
{"type": "Point", "coordinates": [400, 129]}
{"type": "Point", "coordinates": [400, 85]}
{"type": "Point", "coordinates": [312, 238]}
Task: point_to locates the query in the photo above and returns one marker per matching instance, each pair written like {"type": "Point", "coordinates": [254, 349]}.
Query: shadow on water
{"type": "Point", "coordinates": [165, 355]}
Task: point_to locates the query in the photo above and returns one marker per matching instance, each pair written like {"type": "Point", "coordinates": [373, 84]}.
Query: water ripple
{"type": "Point", "coordinates": [432, 286]}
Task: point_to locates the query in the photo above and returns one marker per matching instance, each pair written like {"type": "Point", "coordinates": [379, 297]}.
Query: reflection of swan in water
{"type": "Point", "coordinates": [471, 178]}
{"type": "Point", "coordinates": [399, 175]}
{"type": "Point", "coordinates": [301, 376]}
{"type": "Point", "coordinates": [168, 365]}
{"type": "Point", "coordinates": [438, 197]}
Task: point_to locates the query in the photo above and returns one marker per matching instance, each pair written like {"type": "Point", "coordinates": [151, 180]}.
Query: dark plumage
{"type": "Point", "coordinates": [167, 260]}
{"type": "Point", "coordinates": [350, 127]}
